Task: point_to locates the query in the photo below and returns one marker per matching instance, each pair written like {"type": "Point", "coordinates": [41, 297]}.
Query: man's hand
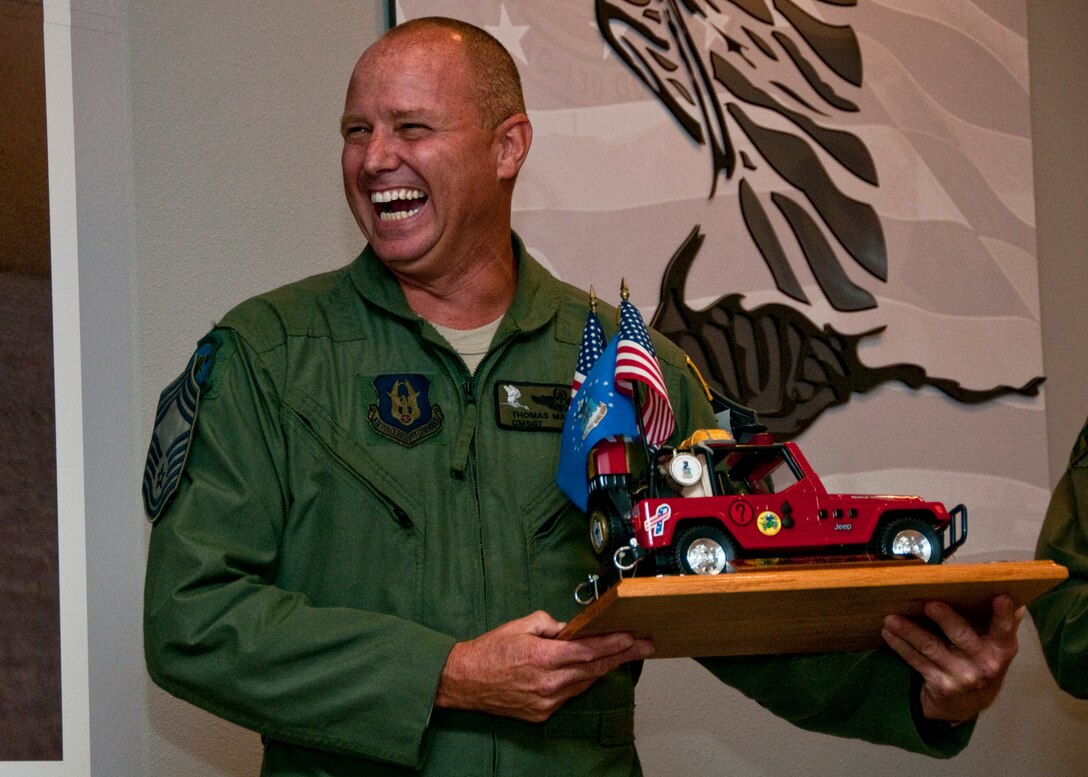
{"type": "Point", "coordinates": [963, 672]}
{"type": "Point", "coordinates": [520, 671]}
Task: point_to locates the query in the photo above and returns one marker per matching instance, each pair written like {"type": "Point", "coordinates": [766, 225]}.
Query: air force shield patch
{"type": "Point", "coordinates": [170, 438]}
{"type": "Point", "coordinates": [404, 412]}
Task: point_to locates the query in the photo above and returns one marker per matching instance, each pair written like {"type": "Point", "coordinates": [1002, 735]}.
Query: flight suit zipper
{"type": "Point", "coordinates": [466, 463]}
{"type": "Point", "coordinates": [468, 469]}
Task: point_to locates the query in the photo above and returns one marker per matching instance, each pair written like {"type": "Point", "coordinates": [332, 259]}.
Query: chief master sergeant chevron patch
{"type": "Point", "coordinates": [170, 438]}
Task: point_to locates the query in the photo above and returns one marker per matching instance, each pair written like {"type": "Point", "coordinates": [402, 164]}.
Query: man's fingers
{"type": "Point", "coordinates": [639, 649]}
{"type": "Point", "coordinates": [604, 645]}
{"type": "Point", "coordinates": [537, 623]}
{"type": "Point", "coordinates": [575, 677]}
{"type": "Point", "coordinates": [1006, 618]}
{"type": "Point", "coordinates": [908, 636]}
{"type": "Point", "coordinates": [520, 670]}
{"type": "Point", "coordinates": [908, 649]}
{"type": "Point", "coordinates": [959, 634]}
{"type": "Point", "coordinates": [956, 629]}
{"type": "Point", "coordinates": [962, 669]}
{"type": "Point", "coordinates": [589, 653]}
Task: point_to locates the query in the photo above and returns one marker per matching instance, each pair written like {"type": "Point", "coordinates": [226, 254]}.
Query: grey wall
{"type": "Point", "coordinates": [110, 410]}
{"type": "Point", "coordinates": [207, 169]}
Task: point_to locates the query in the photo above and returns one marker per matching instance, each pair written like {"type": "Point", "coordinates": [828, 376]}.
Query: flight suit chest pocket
{"type": "Point", "coordinates": [354, 535]}
{"type": "Point", "coordinates": [560, 554]}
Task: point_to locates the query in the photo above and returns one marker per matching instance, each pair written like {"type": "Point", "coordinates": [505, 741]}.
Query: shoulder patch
{"type": "Point", "coordinates": [174, 419]}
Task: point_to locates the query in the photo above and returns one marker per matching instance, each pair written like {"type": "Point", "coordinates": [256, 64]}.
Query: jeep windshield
{"type": "Point", "coordinates": [741, 469]}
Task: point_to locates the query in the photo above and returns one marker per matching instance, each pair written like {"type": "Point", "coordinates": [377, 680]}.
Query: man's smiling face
{"type": "Point", "coordinates": [420, 169]}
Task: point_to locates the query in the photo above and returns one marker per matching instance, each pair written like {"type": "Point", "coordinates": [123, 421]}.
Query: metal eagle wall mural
{"type": "Point", "coordinates": [714, 65]}
{"type": "Point", "coordinates": [763, 88]}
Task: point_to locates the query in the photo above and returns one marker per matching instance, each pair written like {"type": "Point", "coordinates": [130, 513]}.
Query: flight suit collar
{"type": "Point", "coordinates": [535, 303]}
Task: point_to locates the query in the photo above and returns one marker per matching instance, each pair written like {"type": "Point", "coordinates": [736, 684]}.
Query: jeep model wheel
{"type": "Point", "coordinates": [912, 537]}
{"type": "Point", "coordinates": [606, 530]}
{"type": "Point", "coordinates": [704, 550]}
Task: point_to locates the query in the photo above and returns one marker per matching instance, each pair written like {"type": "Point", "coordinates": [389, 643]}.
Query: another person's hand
{"type": "Point", "coordinates": [963, 671]}
{"type": "Point", "coordinates": [520, 670]}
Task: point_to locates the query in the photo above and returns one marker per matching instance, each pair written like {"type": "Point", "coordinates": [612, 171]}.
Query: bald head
{"type": "Point", "coordinates": [496, 85]}
{"type": "Point", "coordinates": [435, 135]}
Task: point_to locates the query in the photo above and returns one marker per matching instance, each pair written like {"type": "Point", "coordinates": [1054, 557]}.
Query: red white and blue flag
{"type": "Point", "coordinates": [591, 350]}
{"type": "Point", "coordinates": [636, 362]}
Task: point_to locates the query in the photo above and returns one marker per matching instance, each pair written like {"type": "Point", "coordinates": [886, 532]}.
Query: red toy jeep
{"type": "Point", "coordinates": [697, 508]}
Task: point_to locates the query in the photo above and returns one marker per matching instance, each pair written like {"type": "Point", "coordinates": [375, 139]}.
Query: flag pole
{"type": "Point", "coordinates": [625, 296]}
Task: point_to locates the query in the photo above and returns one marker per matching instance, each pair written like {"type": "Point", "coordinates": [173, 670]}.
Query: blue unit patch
{"type": "Point", "coordinates": [170, 438]}
{"type": "Point", "coordinates": [404, 412]}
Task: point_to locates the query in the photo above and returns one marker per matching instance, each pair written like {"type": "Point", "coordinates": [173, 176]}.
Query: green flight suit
{"type": "Point", "coordinates": [1061, 614]}
{"type": "Point", "coordinates": [318, 561]}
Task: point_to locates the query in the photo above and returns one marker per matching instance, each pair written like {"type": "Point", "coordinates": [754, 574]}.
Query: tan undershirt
{"type": "Point", "coordinates": [471, 344]}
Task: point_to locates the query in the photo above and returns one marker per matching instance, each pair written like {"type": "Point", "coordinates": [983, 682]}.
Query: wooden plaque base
{"type": "Point", "coordinates": [801, 609]}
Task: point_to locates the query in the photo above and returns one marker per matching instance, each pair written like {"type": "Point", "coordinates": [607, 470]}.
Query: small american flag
{"type": "Point", "coordinates": [636, 361]}
{"type": "Point", "coordinates": [592, 347]}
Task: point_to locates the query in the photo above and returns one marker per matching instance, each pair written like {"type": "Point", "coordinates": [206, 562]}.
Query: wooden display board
{"type": "Point", "coordinates": [800, 609]}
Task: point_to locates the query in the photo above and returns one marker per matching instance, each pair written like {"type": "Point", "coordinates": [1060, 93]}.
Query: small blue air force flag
{"type": "Point", "coordinates": [596, 413]}
{"type": "Point", "coordinates": [170, 438]}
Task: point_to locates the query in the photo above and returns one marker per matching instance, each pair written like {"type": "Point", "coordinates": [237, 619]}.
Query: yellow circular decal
{"type": "Point", "coordinates": [769, 523]}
